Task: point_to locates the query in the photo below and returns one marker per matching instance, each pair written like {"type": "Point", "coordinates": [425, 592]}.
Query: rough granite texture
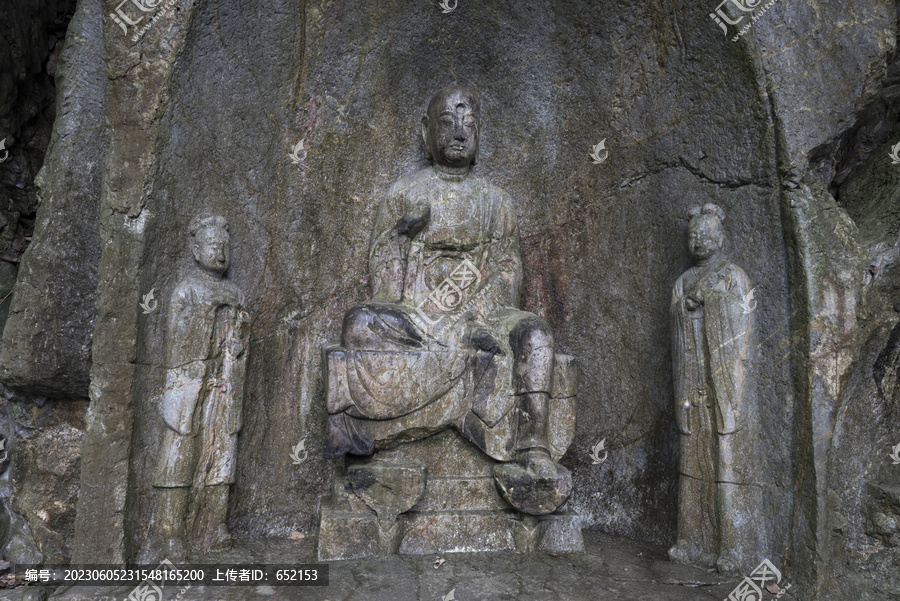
{"type": "Point", "coordinates": [784, 129]}
{"type": "Point", "coordinates": [47, 339]}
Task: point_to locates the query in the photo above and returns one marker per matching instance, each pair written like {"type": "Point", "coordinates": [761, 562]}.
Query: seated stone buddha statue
{"type": "Point", "coordinates": [443, 344]}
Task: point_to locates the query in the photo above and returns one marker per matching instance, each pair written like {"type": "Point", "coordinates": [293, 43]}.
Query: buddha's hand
{"type": "Point", "coordinates": [483, 341]}
{"type": "Point", "coordinates": [412, 223]}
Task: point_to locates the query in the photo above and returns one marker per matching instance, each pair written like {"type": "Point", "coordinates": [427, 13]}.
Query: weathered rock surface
{"type": "Point", "coordinates": [388, 488]}
{"type": "Point", "coordinates": [204, 107]}
{"type": "Point", "coordinates": [46, 346]}
{"type": "Point", "coordinates": [46, 471]}
{"type": "Point", "coordinates": [18, 543]}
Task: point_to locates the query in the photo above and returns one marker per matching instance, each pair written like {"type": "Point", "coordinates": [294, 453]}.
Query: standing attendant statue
{"type": "Point", "coordinates": [207, 338]}
{"type": "Point", "coordinates": [711, 316]}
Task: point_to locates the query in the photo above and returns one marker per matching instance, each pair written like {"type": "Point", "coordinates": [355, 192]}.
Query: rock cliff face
{"type": "Point", "coordinates": [196, 108]}
{"type": "Point", "coordinates": [49, 318]}
{"type": "Point", "coordinates": [47, 349]}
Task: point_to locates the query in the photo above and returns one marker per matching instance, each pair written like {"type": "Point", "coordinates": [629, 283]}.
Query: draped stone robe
{"type": "Point", "coordinates": [407, 366]}
{"type": "Point", "coordinates": [713, 405]}
{"type": "Point", "coordinates": [208, 337]}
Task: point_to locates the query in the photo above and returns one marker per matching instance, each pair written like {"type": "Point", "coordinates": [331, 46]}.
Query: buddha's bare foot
{"type": "Point", "coordinates": [534, 484]}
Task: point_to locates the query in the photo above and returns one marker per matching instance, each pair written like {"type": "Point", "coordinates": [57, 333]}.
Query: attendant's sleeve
{"type": "Point", "coordinates": [728, 337]}
{"type": "Point", "coordinates": [189, 334]}
{"type": "Point", "coordinates": [678, 321]}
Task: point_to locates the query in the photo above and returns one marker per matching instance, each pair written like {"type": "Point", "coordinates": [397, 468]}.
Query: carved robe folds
{"type": "Point", "coordinates": [409, 363]}
{"type": "Point", "coordinates": [202, 403]}
{"type": "Point", "coordinates": [715, 413]}
{"type": "Point", "coordinates": [442, 348]}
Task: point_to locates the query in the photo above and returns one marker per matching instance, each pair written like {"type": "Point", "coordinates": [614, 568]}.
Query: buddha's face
{"type": "Point", "coordinates": [212, 249]}
{"type": "Point", "coordinates": [705, 237]}
{"type": "Point", "coordinates": [451, 129]}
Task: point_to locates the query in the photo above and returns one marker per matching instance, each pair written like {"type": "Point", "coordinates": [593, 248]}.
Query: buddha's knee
{"type": "Point", "coordinates": [356, 331]}
{"type": "Point", "coordinates": [378, 327]}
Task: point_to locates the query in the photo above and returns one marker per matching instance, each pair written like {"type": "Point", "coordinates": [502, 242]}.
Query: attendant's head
{"type": "Point", "coordinates": [450, 127]}
{"type": "Point", "coordinates": [211, 244]}
{"type": "Point", "coordinates": [706, 235]}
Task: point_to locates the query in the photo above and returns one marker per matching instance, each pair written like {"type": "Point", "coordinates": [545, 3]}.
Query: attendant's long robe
{"type": "Point", "coordinates": [714, 408]}
{"type": "Point", "coordinates": [208, 337]}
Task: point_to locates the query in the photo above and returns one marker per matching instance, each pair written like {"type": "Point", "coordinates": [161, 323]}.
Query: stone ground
{"type": "Point", "coordinates": [611, 568]}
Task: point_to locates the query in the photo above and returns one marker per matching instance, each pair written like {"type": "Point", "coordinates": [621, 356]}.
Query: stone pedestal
{"type": "Point", "coordinates": [460, 510]}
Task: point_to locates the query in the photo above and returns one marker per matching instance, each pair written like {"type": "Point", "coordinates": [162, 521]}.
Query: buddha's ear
{"type": "Point", "coordinates": [425, 136]}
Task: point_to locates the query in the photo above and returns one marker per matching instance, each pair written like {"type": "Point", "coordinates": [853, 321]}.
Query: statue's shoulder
{"type": "Point", "coordinates": [734, 272]}
{"type": "Point", "coordinates": [195, 291]}
{"type": "Point", "coordinates": [231, 289]}
{"type": "Point", "coordinates": [498, 195]}
{"type": "Point", "coordinates": [410, 182]}
{"type": "Point", "coordinates": [183, 289]}
{"type": "Point", "coordinates": [188, 295]}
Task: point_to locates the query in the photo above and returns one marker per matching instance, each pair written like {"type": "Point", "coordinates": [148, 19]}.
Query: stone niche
{"type": "Point", "coordinates": [787, 129]}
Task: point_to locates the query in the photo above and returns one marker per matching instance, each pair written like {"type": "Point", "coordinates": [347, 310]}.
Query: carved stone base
{"type": "Point", "coordinates": [531, 493]}
{"type": "Point", "coordinates": [461, 509]}
{"type": "Point", "coordinates": [389, 488]}
{"type": "Point", "coordinates": [561, 532]}
{"type": "Point", "coordinates": [346, 535]}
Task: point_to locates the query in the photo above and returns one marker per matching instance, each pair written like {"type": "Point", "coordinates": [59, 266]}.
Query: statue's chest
{"type": "Point", "coordinates": [714, 281]}
{"type": "Point", "coordinates": [445, 259]}
{"type": "Point", "coordinates": [456, 223]}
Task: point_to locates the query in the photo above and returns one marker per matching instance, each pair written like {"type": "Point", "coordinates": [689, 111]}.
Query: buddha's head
{"type": "Point", "coordinates": [450, 127]}
{"type": "Point", "coordinates": [211, 244]}
{"type": "Point", "coordinates": [706, 235]}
